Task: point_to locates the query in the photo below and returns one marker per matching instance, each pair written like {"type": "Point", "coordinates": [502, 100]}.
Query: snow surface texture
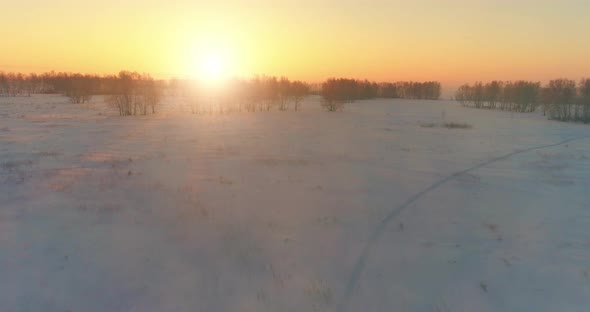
{"type": "Point", "coordinates": [377, 208]}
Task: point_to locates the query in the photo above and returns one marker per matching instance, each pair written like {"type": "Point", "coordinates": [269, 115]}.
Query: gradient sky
{"type": "Point", "coordinates": [453, 41]}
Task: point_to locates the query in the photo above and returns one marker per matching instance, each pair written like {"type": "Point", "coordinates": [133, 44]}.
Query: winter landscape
{"type": "Point", "coordinates": [337, 156]}
{"type": "Point", "coordinates": [270, 212]}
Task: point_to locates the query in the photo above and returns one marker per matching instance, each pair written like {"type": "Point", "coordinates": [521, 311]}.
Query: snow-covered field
{"type": "Point", "coordinates": [285, 211]}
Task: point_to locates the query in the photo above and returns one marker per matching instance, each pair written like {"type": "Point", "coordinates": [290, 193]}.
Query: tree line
{"type": "Point", "coordinates": [135, 94]}
{"type": "Point", "coordinates": [560, 99]}
{"type": "Point", "coordinates": [132, 93]}
{"type": "Point", "coordinates": [18, 84]}
{"type": "Point", "coordinates": [519, 96]}
{"type": "Point", "coordinates": [338, 91]}
{"type": "Point", "coordinates": [129, 92]}
{"type": "Point", "coordinates": [259, 93]}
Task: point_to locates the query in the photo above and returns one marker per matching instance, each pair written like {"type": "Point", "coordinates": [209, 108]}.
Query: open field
{"type": "Point", "coordinates": [284, 211]}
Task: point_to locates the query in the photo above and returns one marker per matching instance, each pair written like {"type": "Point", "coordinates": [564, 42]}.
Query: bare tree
{"type": "Point", "coordinates": [297, 91]}
{"type": "Point", "coordinates": [562, 96]}
{"type": "Point", "coordinates": [283, 86]}
{"type": "Point", "coordinates": [584, 101]}
{"type": "Point", "coordinates": [135, 94]}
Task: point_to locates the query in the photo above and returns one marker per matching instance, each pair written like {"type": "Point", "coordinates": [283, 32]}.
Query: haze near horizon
{"type": "Point", "coordinates": [453, 42]}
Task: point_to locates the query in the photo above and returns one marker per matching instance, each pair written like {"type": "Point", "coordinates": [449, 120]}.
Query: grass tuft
{"type": "Point", "coordinates": [428, 125]}
{"type": "Point", "coordinates": [457, 125]}
{"type": "Point", "coordinates": [448, 125]}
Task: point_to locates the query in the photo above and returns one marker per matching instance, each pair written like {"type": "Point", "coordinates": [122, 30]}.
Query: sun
{"type": "Point", "coordinates": [211, 60]}
{"type": "Point", "coordinates": [213, 66]}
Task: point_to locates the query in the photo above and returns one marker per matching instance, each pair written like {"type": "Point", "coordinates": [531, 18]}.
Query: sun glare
{"type": "Point", "coordinates": [213, 67]}
{"type": "Point", "coordinates": [212, 61]}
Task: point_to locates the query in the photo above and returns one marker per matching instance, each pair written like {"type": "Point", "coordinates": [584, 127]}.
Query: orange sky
{"type": "Point", "coordinates": [453, 41]}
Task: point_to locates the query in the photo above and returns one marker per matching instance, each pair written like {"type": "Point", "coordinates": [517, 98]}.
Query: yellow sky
{"type": "Point", "coordinates": [453, 41]}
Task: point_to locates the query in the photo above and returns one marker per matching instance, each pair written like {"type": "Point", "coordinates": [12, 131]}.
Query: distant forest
{"type": "Point", "coordinates": [336, 92]}
{"type": "Point", "coordinates": [134, 94]}
{"type": "Point", "coordinates": [560, 99]}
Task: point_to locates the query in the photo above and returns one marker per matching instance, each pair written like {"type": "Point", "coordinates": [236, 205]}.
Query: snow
{"type": "Point", "coordinates": [271, 211]}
